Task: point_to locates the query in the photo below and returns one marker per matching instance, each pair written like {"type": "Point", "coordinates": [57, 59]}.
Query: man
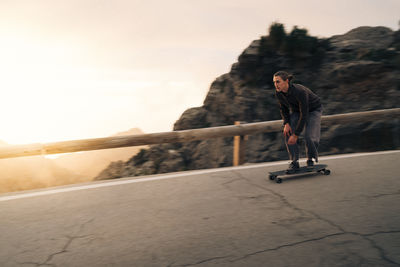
{"type": "Point", "coordinates": [300, 108]}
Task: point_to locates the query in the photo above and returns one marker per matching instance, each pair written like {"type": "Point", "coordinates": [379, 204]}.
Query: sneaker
{"type": "Point", "coordinates": [310, 163]}
{"type": "Point", "coordinates": [293, 167]}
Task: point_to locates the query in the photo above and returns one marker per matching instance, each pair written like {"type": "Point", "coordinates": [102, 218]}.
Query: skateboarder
{"type": "Point", "coordinates": [300, 108]}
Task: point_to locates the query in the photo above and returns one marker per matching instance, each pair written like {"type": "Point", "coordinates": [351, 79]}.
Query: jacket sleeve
{"type": "Point", "coordinates": [302, 98]}
{"type": "Point", "coordinates": [284, 109]}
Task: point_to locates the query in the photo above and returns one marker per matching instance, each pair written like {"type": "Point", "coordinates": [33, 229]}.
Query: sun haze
{"type": "Point", "coordinates": [82, 69]}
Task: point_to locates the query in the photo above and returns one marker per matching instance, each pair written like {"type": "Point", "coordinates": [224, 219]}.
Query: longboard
{"type": "Point", "coordinates": [320, 168]}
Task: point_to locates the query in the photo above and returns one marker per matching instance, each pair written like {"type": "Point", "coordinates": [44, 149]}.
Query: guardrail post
{"type": "Point", "coordinates": [396, 134]}
{"type": "Point", "coordinates": [239, 148]}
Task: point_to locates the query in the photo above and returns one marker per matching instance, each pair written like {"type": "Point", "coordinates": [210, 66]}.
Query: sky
{"type": "Point", "coordinates": [76, 69]}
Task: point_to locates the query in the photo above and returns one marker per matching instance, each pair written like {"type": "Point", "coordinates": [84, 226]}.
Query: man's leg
{"type": "Point", "coordinates": [293, 150]}
{"type": "Point", "coordinates": [313, 134]}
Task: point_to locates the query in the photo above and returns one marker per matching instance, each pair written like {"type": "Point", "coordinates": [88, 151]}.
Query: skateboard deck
{"type": "Point", "coordinates": [318, 168]}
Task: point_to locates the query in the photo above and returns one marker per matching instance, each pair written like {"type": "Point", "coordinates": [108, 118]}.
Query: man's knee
{"type": "Point", "coordinates": [312, 139]}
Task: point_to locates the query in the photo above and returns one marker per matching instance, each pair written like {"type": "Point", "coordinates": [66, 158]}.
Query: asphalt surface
{"type": "Point", "coordinates": [221, 217]}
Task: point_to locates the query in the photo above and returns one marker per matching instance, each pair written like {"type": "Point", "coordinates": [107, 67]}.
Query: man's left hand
{"type": "Point", "coordinates": [292, 139]}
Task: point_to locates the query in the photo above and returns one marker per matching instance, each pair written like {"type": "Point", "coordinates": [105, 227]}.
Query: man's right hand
{"type": "Point", "coordinates": [287, 130]}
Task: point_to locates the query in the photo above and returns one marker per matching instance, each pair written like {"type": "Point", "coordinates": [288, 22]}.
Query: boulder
{"type": "Point", "coordinates": [363, 37]}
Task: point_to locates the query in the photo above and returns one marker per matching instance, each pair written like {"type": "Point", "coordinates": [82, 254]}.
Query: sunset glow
{"type": "Point", "coordinates": [85, 69]}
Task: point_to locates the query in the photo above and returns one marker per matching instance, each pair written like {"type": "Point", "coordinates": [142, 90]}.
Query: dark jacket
{"type": "Point", "coordinates": [298, 99]}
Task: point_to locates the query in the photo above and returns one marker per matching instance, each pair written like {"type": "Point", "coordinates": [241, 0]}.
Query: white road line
{"type": "Point", "coordinates": [171, 176]}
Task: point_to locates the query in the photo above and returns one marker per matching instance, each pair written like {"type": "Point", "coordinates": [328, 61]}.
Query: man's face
{"type": "Point", "coordinates": [281, 85]}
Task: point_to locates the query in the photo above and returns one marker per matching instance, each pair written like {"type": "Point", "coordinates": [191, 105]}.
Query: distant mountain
{"type": "Point", "coordinates": [33, 172]}
{"type": "Point", "coordinates": [89, 163]}
{"type": "Point", "coordinates": [356, 71]}
{"type": "Point", "coordinates": [26, 173]}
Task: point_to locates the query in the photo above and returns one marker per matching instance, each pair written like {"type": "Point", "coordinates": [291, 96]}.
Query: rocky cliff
{"type": "Point", "coordinates": [357, 71]}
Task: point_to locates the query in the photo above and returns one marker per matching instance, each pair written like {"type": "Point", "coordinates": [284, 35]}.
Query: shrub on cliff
{"type": "Point", "coordinates": [297, 45]}
{"type": "Point", "coordinates": [277, 35]}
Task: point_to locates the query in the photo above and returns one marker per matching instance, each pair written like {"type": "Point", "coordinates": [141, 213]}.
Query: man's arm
{"type": "Point", "coordinates": [285, 114]}
{"type": "Point", "coordinates": [302, 98]}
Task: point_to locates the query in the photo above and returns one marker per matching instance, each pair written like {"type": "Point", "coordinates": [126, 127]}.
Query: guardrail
{"type": "Point", "coordinates": [183, 136]}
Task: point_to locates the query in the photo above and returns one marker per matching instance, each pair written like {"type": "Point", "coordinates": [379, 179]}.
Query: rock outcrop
{"type": "Point", "coordinates": [357, 71]}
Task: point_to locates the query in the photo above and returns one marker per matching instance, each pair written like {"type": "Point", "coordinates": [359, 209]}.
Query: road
{"type": "Point", "coordinates": [221, 217]}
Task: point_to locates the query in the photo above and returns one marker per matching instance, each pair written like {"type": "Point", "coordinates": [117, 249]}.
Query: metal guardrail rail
{"type": "Point", "coordinates": [183, 136]}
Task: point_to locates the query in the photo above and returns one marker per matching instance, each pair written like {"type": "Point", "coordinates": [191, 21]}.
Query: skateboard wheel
{"type": "Point", "coordinates": [279, 180]}
{"type": "Point", "coordinates": [272, 177]}
{"type": "Point", "coordinates": [327, 172]}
